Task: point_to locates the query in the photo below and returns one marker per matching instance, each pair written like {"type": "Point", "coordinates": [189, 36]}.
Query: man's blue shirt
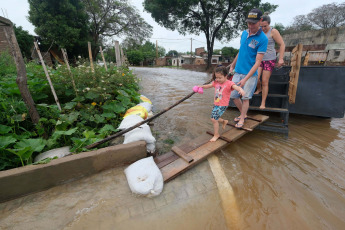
{"type": "Point", "coordinates": [250, 47]}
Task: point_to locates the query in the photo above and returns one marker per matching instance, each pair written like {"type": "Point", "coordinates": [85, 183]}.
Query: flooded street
{"type": "Point", "coordinates": [278, 182]}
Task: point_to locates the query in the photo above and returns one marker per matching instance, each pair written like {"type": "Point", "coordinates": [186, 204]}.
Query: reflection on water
{"type": "Point", "coordinates": [278, 183]}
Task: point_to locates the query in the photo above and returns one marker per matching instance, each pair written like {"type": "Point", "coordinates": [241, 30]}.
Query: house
{"type": "Point", "coordinates": [325, 45]}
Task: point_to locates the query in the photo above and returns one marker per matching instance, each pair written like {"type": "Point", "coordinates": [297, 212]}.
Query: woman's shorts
{"type": "Point", "coordinates": [218, 111]}
{"type": "Point", "coordinates": [268, 65]}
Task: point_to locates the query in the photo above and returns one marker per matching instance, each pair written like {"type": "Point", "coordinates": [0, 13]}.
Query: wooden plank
{"type": "Point", "coordinates": [220, 137]}
{"type": "Point", "coordinates": [293, 63]}
{"type": "Point", "coordinates": [292, 74]}
{"type": "Point", "coordinates": [244, 128]}
{"type": "Point", "coordinates": [254, 119]}
{"type": "Point", "coordinates": [179, 166]}
{"type": "Point", "coordinates": [182, 154]}
{"type": "Point", "coordinates": [294, 58]}
{"type": "Point", "coordinates": [169, 157]}
{"type": "Point", "coordinates": [293, 87]}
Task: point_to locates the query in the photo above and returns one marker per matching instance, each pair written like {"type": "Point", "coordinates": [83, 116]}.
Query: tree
{"type": "Point", "coordinates": [300, 23]}
{"type": "Point", "coordinates": [327, 16]}
{"type": "Point", "coordinates": [229, 52]}
{"type": "Point", "coordinates": [147, 50]}
{"type": "Point", "coordinates": [114, 18]}
{"type": "Point", "coordinates": [280, 27]}
{"type": "Point", "coordinates": [25, 41]}
{"type": "Point", "coordinates": [173, 53]}
{"type": "Point", "coordinates": [63, 22]}
{"type": "Point", "coordinates": [135, 57]}
{"type": "Point", "coordinates": [217, 19]}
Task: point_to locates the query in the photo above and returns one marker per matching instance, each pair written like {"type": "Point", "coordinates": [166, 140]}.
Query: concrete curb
{"type": "Point", "coordinates": [34, 178]}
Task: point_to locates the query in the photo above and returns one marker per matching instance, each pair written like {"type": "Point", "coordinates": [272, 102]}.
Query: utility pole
{"type": "Point", "coordinates": [191, 53]}
{"type": "Point", "coordinates": [156, 51]}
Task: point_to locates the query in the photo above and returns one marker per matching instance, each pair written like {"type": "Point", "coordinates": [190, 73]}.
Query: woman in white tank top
{"type": "Point", "coordinates": [269, 59]}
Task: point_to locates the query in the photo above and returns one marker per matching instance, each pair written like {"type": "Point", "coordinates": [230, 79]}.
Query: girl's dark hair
{"type": "Point", "coordinates": [220, 69]}
{"type": "Point", "coordinates": [266, 18]}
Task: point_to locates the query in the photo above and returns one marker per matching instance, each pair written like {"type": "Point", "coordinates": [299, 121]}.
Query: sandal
{"type": "Point", "coordinates": [239, 126]}
{"type": "Point", "coordinates": [237, 119]}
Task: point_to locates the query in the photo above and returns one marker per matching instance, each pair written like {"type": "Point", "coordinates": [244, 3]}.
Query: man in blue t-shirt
{"type": "Point", "coordinates": [247, 61]}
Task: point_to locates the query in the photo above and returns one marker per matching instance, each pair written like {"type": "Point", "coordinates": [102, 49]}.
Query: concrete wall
{"type": "Point", "coordinates": [316, 37]}
{"type": "Point", "coordinates": [331, 41]}
{"type": "Point", "coordinates": [34, 178]}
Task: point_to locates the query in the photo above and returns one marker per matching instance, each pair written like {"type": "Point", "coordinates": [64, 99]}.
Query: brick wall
{"type": "Point", "coordinates": [3, 40]}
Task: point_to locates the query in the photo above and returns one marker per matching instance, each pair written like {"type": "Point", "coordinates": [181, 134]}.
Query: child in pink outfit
{"type": "Point", "coordinates": [223, 88]}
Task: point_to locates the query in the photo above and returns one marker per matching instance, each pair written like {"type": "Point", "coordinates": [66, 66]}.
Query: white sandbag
{"type": "Point", "coordinates": [150, 147]}
{"type": "Point", "coordinates": [130, 121]}
{"type": "Point", "coordinates": [59, 152]}
{"type": "Point", "coordinates": [149, 114]}
{"type": "Point", "coordinates": [142, 133]}
{"type": "Point", "coordinates": [146, 105]}
{"type": "Point", "coordinates": [144, 177]}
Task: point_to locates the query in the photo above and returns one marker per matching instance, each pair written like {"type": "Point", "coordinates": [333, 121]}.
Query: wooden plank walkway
{"type": "Point", "coordinates": [171, 165]}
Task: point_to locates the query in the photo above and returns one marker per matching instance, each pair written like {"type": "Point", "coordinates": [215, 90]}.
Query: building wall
{"type": "Point", "coordinates": [329, 44]}
{"type": "Point", "coordinates": [316, 37]}
{"type": "Point", "coordinates": [199, 51]}
{"type": "Point", "coordinates": [161, 62]}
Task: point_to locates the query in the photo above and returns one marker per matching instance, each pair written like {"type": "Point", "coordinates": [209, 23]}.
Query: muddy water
{"type": "Point", "coordinates": [277, 182]}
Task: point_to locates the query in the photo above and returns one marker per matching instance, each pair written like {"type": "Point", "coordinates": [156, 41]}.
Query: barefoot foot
{"type": "Point", "coordinates": [262, 107]}
{"type": "Point", "coordinates": [257, 92]}
{"type": "Point", "coordinates": [225, 122]}
{"type": "Point", "coordinates": [214, 138]}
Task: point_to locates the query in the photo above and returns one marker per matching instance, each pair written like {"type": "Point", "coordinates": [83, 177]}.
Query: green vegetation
{"type": "Point", "coordinates": [145, 52]}
{"type": "Point", "coordinates": [87, 116]}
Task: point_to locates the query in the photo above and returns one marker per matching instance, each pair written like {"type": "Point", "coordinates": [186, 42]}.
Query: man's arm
{"type": "Point", "coordinates": [233, 64]}
{"type": "Point", "coordinates": [258, 60]}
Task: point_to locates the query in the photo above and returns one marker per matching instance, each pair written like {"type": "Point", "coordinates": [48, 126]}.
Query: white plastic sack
{"type": "Point", "coordinates": [59, 152]}
{"type": "Point", "coordinates": [146, 105]}
{"type": "Point", "coordinates": [142, 133]}
{"type": "Point", "coordinates": [144, 177]}
{"type": "Point", "coordinates": [149, 114]}
{"type": "Point", "coordinates": [130, 121]}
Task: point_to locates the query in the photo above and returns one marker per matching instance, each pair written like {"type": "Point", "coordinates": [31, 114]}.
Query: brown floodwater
{"type": "Point", "coordinates": [277, 181]}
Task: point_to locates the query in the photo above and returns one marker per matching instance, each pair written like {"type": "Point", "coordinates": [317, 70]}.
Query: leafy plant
{"type": "Point", "coordinates": [88, 114]}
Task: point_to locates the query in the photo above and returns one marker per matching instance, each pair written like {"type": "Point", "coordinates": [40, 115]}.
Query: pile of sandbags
{"type": "Point", "coordinates": [135, 115]}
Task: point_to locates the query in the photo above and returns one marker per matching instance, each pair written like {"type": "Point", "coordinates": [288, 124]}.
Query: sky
{"type": "Point", "coordinates": [17, 12]}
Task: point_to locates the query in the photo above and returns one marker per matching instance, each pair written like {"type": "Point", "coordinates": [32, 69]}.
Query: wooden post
{"type": "Point", "coordinates": [306, 59]}
{"type": "Point", "coordinates": [21, 70]}
{"type": "Point", "coordinates": [122, 56]}
{"type": "Point", "coordinates": [64, 54]}
{"type": "Point", "coordinates": [47, 75]}
{"type": "Point", "coordinates": [117, 53]}
{"type": "Point", "coordinates": [105, 64]}
{"type": "Point", "coordinates": [90, 56]}
{"type": "Point", "coordinates": [294, 73]}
